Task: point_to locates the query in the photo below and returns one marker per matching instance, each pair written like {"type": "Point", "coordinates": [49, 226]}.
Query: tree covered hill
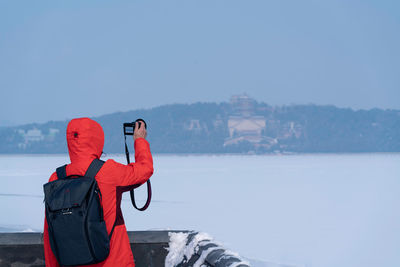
{"type": "Point", "coordinates": [240, 126]}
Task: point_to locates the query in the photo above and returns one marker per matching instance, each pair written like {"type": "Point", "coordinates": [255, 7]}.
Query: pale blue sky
{"type": "Point", "coordinates": [62, 59]}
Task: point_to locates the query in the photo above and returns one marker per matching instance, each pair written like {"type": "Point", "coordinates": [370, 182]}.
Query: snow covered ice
{"type": "Point", "coordinates": [299, 210]}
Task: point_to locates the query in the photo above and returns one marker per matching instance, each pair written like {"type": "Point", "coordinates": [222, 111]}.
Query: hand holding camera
{"type": "Point", "coordinates": [137, 129]}
{"type": "Point", "coordinates": [140, 130]}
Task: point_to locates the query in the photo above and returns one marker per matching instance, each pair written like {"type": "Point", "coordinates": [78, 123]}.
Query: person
{"type": "Point", "coordinates": [85, 139]}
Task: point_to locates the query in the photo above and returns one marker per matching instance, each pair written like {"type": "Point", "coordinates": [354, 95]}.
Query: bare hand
{"type": "Point", "coordinates": [140, 132]}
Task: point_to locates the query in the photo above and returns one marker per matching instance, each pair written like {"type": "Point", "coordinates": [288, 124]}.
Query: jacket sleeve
{"type": "Point", "coordinates": [50, 258]}
{"type": "Point", "coordinates": [139, 171]}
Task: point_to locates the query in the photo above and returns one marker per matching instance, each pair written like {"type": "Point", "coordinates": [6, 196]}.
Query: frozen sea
{"type": "Point", "coordinates": [316, 210]}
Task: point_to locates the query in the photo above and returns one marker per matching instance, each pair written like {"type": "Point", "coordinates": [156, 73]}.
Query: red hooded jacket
{"type": "Point", "coordinates": [85, 139]}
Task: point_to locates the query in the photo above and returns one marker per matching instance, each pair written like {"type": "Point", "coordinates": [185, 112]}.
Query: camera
{"type": "Point", "coordinates": [129, 127]}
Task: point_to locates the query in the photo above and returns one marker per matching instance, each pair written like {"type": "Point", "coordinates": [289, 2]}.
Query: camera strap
{"type": "Point", "coordinates": [146, 205]}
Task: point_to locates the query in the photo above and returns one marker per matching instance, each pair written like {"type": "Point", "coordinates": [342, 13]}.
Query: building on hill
{"type": "Point", "coordinates": [248, 129]}
{"type": "Point", "coordinates": [32, 135]}
{"type": "Point", "coordinates": [291, 129]}
{"type": "Point", "coordinates": [35, 135]}
{"type": "Point", "coordinates": [245, 126]}
{"type": "Point", "coordinates": [243, 105]}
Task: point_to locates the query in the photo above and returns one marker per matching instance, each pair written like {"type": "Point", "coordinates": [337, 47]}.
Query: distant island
{"type": "Point", "coordinates": [241, 125]}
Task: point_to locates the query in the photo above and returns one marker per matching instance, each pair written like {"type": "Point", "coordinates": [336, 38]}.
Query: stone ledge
{"type": "Point", "coordinates": [150, 249]}
{"type": "Point", "coordinates": [135, 237]}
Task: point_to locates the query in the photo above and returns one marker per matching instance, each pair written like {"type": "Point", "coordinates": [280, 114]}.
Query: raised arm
{"type": "Point", "coordinates": [142, 169]}
{"type": "Point", "coordinates": [139, 171]}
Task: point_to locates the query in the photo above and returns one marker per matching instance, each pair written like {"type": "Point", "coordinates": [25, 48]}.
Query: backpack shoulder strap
{"type": "Point", "coordinates": [61, 172]}
{"type": "Point", "coordinates": [94, 168]}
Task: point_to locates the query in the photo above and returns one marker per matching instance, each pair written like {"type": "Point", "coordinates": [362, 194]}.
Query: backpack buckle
{"type": "Point", "coordinates": [66, 211]}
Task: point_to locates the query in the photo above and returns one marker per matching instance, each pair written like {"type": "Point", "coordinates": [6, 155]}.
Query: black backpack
{"type": "Point", "coordinates": [74, 213]}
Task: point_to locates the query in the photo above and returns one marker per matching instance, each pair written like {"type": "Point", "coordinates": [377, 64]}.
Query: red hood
{"type": "Point", "coordinates": [85, 139]}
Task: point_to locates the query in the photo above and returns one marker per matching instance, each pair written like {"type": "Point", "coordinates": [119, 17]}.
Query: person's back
{"type": "Point", "coordinates": [85, 139]}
